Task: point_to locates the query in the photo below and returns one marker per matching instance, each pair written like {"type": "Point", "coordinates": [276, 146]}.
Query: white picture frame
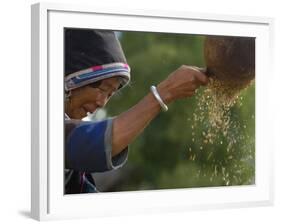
{"type": "Point", "coordinates": [48, 201]}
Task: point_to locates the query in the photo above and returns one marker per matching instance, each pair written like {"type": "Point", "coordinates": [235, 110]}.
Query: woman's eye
{"type": "Point", "coordinates": [108, 92]}
{"type": "Point", "coordinates": [103, 90]}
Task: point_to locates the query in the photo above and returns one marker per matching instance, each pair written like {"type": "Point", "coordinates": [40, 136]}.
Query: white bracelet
{"type": "Point", "coordinates": [158, 98]}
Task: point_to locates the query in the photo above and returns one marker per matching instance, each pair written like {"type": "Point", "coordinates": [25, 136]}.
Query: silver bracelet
{"type": "Point", "coordinates": [158, 98]}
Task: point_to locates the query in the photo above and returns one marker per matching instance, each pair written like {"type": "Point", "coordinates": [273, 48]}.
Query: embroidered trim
{"type": "Point", "coordinates": [97, 73]}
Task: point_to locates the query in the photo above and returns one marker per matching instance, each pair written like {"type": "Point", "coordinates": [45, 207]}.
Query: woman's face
{"type": "Point", "coordinates": [91, 97]}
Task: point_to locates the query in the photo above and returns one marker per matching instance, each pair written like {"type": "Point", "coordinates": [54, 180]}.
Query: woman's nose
{"type": "Point", "coordinates": [102, 100]}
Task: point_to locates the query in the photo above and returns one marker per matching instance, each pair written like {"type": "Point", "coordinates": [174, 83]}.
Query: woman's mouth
{"type": "Point", "coordinates": [89, 110]}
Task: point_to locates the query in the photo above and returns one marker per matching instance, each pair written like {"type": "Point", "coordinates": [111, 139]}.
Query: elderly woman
{"type": "Point", "coordinates": [95, 69]}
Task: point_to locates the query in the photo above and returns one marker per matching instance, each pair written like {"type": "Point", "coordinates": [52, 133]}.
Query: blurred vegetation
{"type": "Point", "coordinates": [161, 157]}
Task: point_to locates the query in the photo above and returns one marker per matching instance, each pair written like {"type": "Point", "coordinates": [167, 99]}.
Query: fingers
{"type": "Point", "coordinates": [202, 78]}
{"type": "Point", "coordinates": [203, 70]}
{"type": "Point", "coordinates": [200, 75]}
{"type": "Point", "coordinates": [184, 82]}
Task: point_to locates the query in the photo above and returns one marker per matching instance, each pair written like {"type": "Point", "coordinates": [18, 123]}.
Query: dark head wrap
{"type": "Point", "coordinates": [91, 56]}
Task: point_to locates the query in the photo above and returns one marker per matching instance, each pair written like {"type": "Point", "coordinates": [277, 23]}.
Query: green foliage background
{"type": "Point", "coordinates": [160, 157]}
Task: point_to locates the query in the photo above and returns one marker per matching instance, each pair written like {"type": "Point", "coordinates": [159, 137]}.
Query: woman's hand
{"type": "Point", "coordinates": [181, 83]}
